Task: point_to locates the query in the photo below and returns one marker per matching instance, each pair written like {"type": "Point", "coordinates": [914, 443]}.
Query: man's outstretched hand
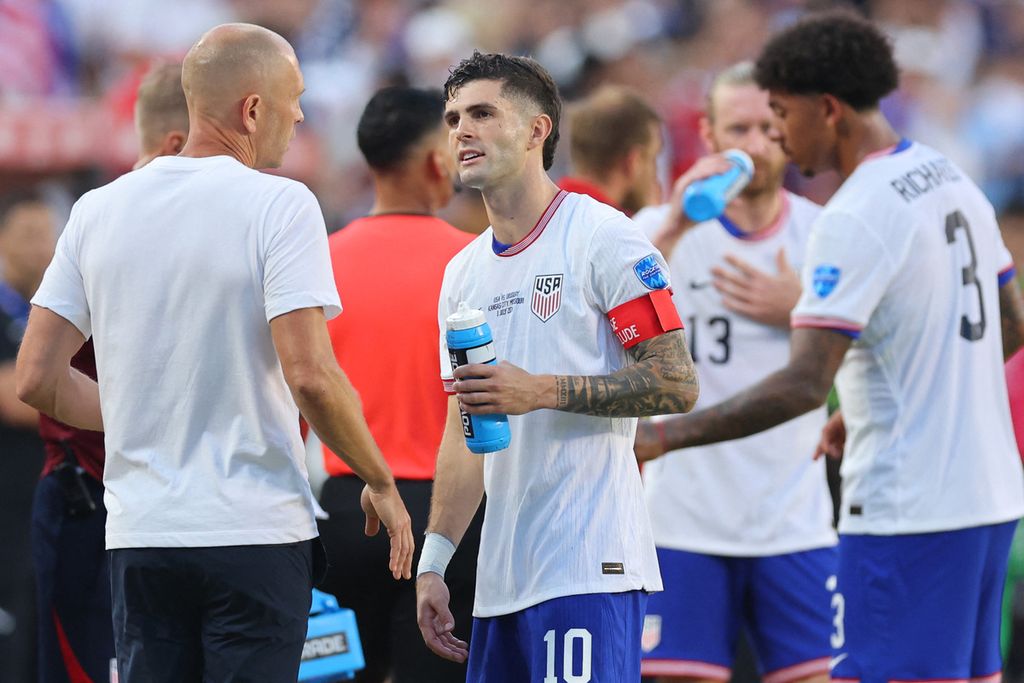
{"type": "Point", "coordinates": [386, 506]}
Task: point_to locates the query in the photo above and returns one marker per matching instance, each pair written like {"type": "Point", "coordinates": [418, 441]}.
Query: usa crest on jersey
{"type": "Point", "coordinates": [547, 296]}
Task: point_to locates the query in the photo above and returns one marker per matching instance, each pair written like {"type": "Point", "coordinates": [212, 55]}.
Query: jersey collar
{"type": "Point", "coordinates": [900, 146]}
{"type": "Point", "coordinates": [765, 232]}
{"type": "Point", "coordinates": [502, 249]}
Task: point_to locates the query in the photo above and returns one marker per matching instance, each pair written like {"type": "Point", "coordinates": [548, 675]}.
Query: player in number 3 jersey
{"type": "Point", "coordinates": [908, 294]}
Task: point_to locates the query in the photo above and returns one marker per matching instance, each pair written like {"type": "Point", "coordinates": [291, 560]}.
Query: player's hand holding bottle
{"type": "Point", "coordinates": [677, 222]}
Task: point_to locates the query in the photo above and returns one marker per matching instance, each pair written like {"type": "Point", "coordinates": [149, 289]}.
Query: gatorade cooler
{"type": "Point", "coordinates": [332, 651]}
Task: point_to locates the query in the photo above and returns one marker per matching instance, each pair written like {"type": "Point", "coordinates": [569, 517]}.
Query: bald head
{"type": "Point", "coordinates": [230, 62]}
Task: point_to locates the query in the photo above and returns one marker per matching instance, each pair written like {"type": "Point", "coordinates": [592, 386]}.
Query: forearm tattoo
{"type": "Point", "coordinates": [661, 381]}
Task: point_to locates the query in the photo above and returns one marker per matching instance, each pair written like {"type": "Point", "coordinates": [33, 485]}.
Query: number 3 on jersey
{"type": "Point", "coordinates": [573, 671]}
{"type": "Point", "coordinates": [969, 275]}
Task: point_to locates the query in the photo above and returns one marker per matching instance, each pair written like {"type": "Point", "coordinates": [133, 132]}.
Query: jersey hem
{"type": "Point", "coordinates": [209, 539]}
{"type": "Point", "coordinates": [561, 592]}
{"type": "Point", "coordinates": [926, 527]}
{"type": "Point", "coordinates": [686, 668]}
{"type": "Point", "coordinates": [798, 671]}
{"type": "Point", "coordinates": [745, 551]}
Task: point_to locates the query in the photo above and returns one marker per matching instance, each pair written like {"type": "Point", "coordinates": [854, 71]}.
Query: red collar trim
{"type": "Point", "coordinates": [537, 229]}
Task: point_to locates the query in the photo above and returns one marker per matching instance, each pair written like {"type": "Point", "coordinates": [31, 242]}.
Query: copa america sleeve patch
{"type": "Point", "coordinates": [644, 317]}
{"type": "Point", "coordinates": [650, 273]}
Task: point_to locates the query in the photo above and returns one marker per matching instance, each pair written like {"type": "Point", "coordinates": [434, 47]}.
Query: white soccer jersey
{"type": "Point", "coordinates": [762, 495]}
{"type": "Point", "coordinates": [907, 259]}
{"type": "Point", "coordinates": [565, 512]}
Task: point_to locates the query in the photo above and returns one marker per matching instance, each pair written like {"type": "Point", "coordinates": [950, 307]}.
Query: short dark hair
{"type": "Point", "coordinates": [394, 121]}
{"type": "Point", "coordinates": [520, 77]}
{"type": "Point", "coordinates": [160, 105]}
{"type": "Point", "coordinates": [835, 53]}
{"type": "Point", "coordinates": [606, 126]}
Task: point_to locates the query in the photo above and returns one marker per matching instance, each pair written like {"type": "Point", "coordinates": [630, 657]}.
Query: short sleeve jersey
{"type": "Point", "coordinates": [907, 259]}
{"type": "Point", "coordinates": [565, 512]}
{"type": "Point", "coordinates": [763, 494]}
{"type": "Point", "coordinates": [175, 270]}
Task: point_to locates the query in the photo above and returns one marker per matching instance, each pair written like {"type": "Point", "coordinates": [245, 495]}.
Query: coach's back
{"type": "Point", "coordinates": [183, 263]}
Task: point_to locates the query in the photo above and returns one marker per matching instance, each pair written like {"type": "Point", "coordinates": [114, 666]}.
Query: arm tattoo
{"type": "Point", "coordinates": [799, 387]}
{"type": "Point", "coordinates": [1011, 316]}
{"type": "Point", "coordinates": [661, 381]}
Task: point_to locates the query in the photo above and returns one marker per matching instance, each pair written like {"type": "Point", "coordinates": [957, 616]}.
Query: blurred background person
{"type": "Point", "coordinates": [28, 233]}
{"type": "Point", "coordinates": [388, 268]}
{"type": "Point", "coordinates": [614, 143]}
{"type": "Point", "coordinates": [76, 634]}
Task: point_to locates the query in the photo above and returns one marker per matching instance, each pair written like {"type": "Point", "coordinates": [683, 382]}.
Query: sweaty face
{"type": "Point", "coordinates": [488, 134]}
{"type": "Point", "coordinates": [743, 120]}
{"type": "Point", "coordinates": [283, 111]}
{"type": "Point", "coordinates": [803, 131]}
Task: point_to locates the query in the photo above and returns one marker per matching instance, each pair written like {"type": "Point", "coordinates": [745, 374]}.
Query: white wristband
{"type": "Point", "coordinates": [437, 553]}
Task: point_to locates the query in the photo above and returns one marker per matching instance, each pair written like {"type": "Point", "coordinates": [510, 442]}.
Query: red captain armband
{"type": "Point", "coordinates": [645, 317]}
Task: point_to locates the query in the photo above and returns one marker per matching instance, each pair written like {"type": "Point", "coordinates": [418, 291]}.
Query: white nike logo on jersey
{"type": "Point", "coordinates": [834, 662]}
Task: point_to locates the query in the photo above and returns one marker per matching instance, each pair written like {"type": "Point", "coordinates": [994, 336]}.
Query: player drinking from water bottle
{"type": "Point", "coordinates": [567, 556]}
{"type": "Point", "coordinates": [906, 286]}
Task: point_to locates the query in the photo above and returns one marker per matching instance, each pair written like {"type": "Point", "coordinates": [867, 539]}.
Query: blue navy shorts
{"type": "Point", "coordinates": [227, 614]}
{"type": "Point", "coordinates": [782, 601]}
{"type": "Point", "coordinates": [594, 638]}
{"type": "Point", "coordinates": [920, 607]}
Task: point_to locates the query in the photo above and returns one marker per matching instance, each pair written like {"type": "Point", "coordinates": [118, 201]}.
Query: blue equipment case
{"type": "Point", "coordinates": [332, 651]}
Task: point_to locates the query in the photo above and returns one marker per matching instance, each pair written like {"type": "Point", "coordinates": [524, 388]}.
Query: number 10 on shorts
{"type": "Point", "coordinates": [572, 672]}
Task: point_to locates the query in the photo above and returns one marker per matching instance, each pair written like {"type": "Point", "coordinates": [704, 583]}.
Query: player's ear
{"type": "Point", "coordinates": [249, 112]}
{"type": "Point", "coordinates": [706, 136]}
{"type": "Point", "coordinates": [540, 130]}
{"type": "Point", "coordinates": [434, 163]}
{"type": "Point", "coordinates": [632, 161]}
{"type": "Point", "coordinates": [832, 109]}
{"type": "Point", "coordinates": [173, 142]}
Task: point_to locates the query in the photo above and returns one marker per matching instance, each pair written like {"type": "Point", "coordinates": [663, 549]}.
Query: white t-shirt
{"type": "Point", "coordinates": [906, 258]}
{"type": "Point", "coordinates": [565, 512]}
{"type": "Point", "coordinates": [175, 270]}
{"type": "Point", "coordinates": [764, 494]}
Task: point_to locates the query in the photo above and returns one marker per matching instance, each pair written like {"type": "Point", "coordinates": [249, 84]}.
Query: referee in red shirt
{"type": "Point", "coordinates": [388, 268]}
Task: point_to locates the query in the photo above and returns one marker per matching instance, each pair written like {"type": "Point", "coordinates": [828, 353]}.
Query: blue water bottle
{"type": "Point", "coordinates": [707, 198]}
{"type": "Point", "coordinates": [470, 341]}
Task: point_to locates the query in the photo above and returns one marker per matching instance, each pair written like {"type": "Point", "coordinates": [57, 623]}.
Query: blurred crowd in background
{"type": "Point", "coordinates": [69, 69]}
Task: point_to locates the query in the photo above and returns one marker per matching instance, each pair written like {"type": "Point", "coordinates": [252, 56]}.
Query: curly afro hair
{"type": "Point", "coordinates": [835, 53]}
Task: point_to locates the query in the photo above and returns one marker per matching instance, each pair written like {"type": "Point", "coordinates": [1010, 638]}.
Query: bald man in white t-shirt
{"type": "Point", "coordinates": [205, 286]}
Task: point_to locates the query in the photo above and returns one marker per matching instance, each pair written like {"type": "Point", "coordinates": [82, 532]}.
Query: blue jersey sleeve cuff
{"type": "Point", "coordinates": [1007, 274]}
